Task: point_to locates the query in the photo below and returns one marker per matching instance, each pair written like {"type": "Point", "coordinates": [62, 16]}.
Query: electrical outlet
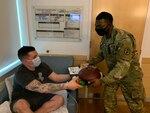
{"type": "Point", "coordinates": [47, 51]}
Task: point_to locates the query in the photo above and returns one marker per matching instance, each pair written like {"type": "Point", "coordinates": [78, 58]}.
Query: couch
{"type": "Point", "coordinates": [59, 64]}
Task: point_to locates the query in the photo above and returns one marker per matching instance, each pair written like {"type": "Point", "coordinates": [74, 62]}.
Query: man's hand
{"type": "Point", "coordinates": [73, 84]}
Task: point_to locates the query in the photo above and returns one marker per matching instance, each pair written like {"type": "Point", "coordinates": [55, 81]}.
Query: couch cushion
{"type": "Point", "coordinates": [59, 64]}
{"type": "Point", "coordinates": [9, 85]}
{"type": "Point", "coordinates": [4, 95]}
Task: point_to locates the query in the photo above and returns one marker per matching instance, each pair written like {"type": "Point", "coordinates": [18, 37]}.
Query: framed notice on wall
{"type": "Point", "coordinates": [57, 23]}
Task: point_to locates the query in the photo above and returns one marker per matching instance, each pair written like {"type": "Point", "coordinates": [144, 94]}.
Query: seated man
{"type": "Point", "coordinates": [33, 91]}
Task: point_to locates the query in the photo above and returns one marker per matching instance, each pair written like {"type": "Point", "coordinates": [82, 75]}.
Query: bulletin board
{"type": "Point", "coordinates": [57, 23]}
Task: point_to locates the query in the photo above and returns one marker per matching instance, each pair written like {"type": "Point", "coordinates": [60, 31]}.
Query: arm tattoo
{"type": "Point", "coordinates": [44, 88]}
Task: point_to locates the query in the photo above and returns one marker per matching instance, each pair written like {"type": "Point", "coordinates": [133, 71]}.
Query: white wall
{"type": "Point", "coordinates": [145, 53]}
{"type": "Point", "coordinates": [62, 47]}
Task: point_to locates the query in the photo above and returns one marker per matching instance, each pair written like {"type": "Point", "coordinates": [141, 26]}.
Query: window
{"type": "Point", "coordinates": [10, 35]}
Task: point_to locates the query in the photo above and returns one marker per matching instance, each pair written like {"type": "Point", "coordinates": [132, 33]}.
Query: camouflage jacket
{"type": "Point", "coordinates": [121, 57]}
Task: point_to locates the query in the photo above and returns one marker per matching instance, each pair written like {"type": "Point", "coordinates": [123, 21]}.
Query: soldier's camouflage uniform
{"type": "Point", "coordinates": [120, 54]}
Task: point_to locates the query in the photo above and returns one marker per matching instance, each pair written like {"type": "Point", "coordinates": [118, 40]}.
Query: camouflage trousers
{"type": "Point", "coordinates": [134, 95]}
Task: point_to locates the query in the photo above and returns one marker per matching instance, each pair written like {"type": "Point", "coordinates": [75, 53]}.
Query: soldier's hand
{"type": "Point", "coordinates": [84, 64]}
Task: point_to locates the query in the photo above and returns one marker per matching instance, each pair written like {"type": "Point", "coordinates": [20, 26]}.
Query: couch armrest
{"type": "Point", "coordinates": [4, 95]}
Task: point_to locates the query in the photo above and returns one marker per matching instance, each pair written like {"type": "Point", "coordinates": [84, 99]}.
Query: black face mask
{"type": "Point", "coordinates": [100, 32]}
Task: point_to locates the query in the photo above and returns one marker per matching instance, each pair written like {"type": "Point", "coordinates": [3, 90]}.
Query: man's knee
{"type": "Point", "coordinates": [53, 104]}
{"type": "Point", "coordinates": [21, 105]}
{"type": "Point", "coordinates": [59, 98]}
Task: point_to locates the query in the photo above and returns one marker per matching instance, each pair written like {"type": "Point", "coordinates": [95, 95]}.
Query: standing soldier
{"type": "Point", "coordinates": [118, 48]}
